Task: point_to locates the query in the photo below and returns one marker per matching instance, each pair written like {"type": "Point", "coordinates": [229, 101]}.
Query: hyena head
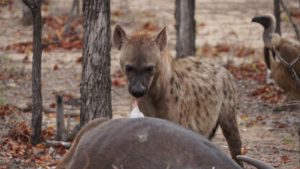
{"type": "Point", "coordinates": [140, 58]}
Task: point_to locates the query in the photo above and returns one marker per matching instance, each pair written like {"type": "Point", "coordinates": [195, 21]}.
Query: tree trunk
{"type": "Point", "coordinates": [36, 120]}
{"type": "Point", "coordinates": [95, 78]}
{"type": "Point", "coordinates": [27, 15]}
{"type": "Point", "coordinates": [277, 15]}
{"type": "Point", "coordinates": [185, 27]}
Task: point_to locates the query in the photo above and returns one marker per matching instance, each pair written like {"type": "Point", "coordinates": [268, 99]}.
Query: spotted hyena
{"type": "Point", "coordinates": [192, 92]}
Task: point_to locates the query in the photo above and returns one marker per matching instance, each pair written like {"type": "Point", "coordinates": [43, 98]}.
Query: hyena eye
{"type": "Point", "coordinates": [129, 69]}
{"type": "Point", "coordinates": [149, 69]}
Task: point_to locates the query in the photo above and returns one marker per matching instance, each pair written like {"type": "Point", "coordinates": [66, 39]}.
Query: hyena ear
{"type": "Point", "coordinates": [161, 39]}
{"type": "Point", "coordinates": [119, 37]}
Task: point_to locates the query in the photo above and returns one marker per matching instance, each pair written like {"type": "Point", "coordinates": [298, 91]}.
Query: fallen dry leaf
{"type": "Point", "coordinates": [55, 67]}
{"type": "Point", "coordinates": [52, 105]}
{"type": "Point", "coordinates": [243, 151]}
{"type": "Point", "coordinates": [243, 117]}
{"type": "Point", "coordinates": [78, 60]}
{"type": "Point", "coordinates": [284, 158]}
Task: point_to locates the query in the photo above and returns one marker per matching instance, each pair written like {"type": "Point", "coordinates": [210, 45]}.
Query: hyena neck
{"type": "Point", "coordinates": [161, 80]}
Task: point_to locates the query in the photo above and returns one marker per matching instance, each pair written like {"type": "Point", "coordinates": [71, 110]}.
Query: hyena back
{"type": "Point", "coordinates": [198, 94]}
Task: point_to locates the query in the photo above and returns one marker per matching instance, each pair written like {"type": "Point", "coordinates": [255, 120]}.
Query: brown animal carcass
{"type": "Point", "coordinates": [144, 143]}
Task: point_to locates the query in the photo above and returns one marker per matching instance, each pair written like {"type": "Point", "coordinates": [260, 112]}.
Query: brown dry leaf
{"type": "Point", "coordinates": [222, 48]}
{"type": "Point", "coordinates": [60, 150]}
{"type": "Point", "coordinates": [45, 157]}
{"type": "Point", "coordinates": [78, 60]}
{"type": "Point", "coordinates": [281, 126]}
{"type": "Point", "coordinates": [55, 67]}
{"type": "Point", "coordinates": [29, 152]}
{"type": "Point", "coordinates": [243, 151]}
{"type": "Point", "coordinates": [4, 3]}
{"type": "Point", "coordinates": [68, 96]}
{"type": "Point", "coordinates": [52, 105]}
{"type": "Point", "coordinates": [207, 50]}
{"type": "Point", "coordinates": [259, 118]}
{"type": "Point", "coordinates": [284, 159]}
{"type": "Point", "coordinates": [21, 124]}
{"type": "Point", "coordinates": [119, 82]}
{"type": "Point", "coordinates": [40, 162]}
{"type": "Point", "coordinates": [13, 145]}
{"type": "Point", "coordinates": [17, 32]}
{"type": "Point", "coordinates": [202, 24]}
{"type": "Point", "coordinates": [243, 117]}
{"type": "Point", "coordinates": [50, 132]}
{"type": "Point", "coordinates": [149, 26]}
{"type": "Point", "coordinates": [240, 51]}
{"type": "Point", "coordinates": [54, 32]}
{"type": "Point", "coordinates": [116, 13]}
{"type": "Point", "coordinates": [40, 147]}
{"type": "Point", "coordinates": [21, 151]}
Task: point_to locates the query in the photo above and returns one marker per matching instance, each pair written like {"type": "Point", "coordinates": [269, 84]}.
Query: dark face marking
{"type": "Point", "coordinates": [176, 99]}
{"type": "Point", "coordinates": [138, 79]}
{"type": "Point", "coordinates": [189, 69]}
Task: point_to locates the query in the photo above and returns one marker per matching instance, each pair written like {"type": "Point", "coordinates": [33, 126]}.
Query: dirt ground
{"type": "Point", "coordinates": [266, 135]}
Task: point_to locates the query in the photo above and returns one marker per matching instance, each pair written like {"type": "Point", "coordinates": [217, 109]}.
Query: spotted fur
{"type": "Point", "coordinates": [195, 93]}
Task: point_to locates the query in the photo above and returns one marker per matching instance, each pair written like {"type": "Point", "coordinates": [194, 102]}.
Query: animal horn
{"type": "Point", "coordinates": [256, 163]}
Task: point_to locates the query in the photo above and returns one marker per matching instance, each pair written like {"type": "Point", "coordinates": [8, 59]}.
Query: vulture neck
{"type": "Point", "coordinates": [267, 35]}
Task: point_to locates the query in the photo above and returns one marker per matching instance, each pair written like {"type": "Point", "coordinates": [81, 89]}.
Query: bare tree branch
{"type": "Point", "coordinates": [290, 18]}
{"type": "Point", "coordinates": [70, 16]}
{"type": "Point", "coordinates": [277, 16]}
{"type": "Point", "coordinates": [45, 44]}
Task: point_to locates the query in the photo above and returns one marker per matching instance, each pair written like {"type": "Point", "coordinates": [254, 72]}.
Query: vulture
{"type": "Point", "coordinates": [287, 50]}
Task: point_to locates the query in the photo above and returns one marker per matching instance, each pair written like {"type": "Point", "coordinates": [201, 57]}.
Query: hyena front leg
{"type": "Point", "coordinates": [230, 131]}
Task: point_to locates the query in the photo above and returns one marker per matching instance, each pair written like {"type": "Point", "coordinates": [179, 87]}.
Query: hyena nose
{"type": "Point", "coordinates": [138, 91]}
